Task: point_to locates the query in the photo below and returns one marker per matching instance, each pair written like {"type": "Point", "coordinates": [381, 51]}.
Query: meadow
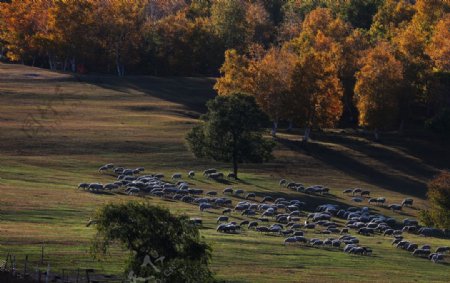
{"type": "Point", "coordinates": [57, 129]}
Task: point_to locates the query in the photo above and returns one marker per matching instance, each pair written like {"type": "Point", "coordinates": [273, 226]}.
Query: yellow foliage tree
{"type": "Point", "coordinates": [377, 88]}
{"type": "Point", "coordinates": [439, 47]}
{"type": "Point", "coordinates": [235, 74]}
{"type": "Point", "coordinates": [271, 84]}
{"type": "Point", "coordinates": [316, 86]}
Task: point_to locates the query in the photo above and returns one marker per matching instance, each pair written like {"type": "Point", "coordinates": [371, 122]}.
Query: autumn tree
{"type": "Point", "coordinates": [377, 88]}
{"type": "Point", "coordinates": [235, 74]}
{"type": "Point", "coordinates": [316, 87]}
{"type": "Point", "coordinates": [391, 15]}
{"type": "Point", "coordinates": [271, 85]}
{"type": "Point", "coordinates": [439, 47]}
{"type": "Point", "coordinates": [228, 18]}
{"type": "Point", "coordinates": [231, 132]}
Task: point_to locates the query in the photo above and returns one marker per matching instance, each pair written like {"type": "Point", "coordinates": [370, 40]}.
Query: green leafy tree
{"type": "Point", "coordinates": [163, 246]}
{"type": "Point", "coordinates": [228, 18]}
{"type": "Point", "coordinates": [231, 132]}
{"type": "Point", "coordinates": [439, 198]}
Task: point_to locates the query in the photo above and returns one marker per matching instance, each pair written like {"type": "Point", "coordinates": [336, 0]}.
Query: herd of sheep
{"type": "Point", "coordinates": [288, 217]}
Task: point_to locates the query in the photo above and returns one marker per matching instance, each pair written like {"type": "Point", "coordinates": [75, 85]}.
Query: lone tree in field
{"type": "Point", "coordinates": [231, 132]}
{"type": "Point", "coordinates": [439, 197]}
{"type": "Point", "coordinates": [163, 246]}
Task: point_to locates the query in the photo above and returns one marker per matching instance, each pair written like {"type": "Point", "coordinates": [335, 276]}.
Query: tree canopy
{"type": "Point", "coordinates": [231, 132]}
{"type": "Point", "coordinates": [162, 245]}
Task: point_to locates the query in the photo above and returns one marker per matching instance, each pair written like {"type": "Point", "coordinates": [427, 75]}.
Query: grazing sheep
{"type": "Point", "coordinates": [245, 222]}
{"type": "Point", "coordinates": [290, 240]}
{"type": "Point", "coordinates": [381, 200]}
{"type": "Point", "coordinates": [159, 176]}
{"type": "Point", "coordinates": [118, 170]}
{"type": "Point", "coordinates": [407, 202]}
{"type": "Point", "coordinates": [441, 250]}
{"type": "Point", "coordinates": [357, 199]}
{"type": "Point", "coordinates": [203, 206]}
{"type": "Point", "coordinates": [373, 200]}
{"type": "Point", "coordinates": [347, 191]}
{"type": "Point", "coordinates": [365, 193]}
{"type": "Point", "coordinates": [209, 171]}
{"type": "Point", "coordinates": [421, 252]}
{"type": "Point", "coordinates": [239, 192]}
{"type": "Point", "coordinates": [222, 219]}
{"type": "Point", "coordinates": [227, 210]}
{"type": "Point", "coordinates": [95, 187]}
{"type": "Point", "coordinates": [231, 175]}
{"type": "Point", "coordinates": [356, 191]}
{"type": "Point", "coordinates": [252, 224]}
{"type": "Point", "coordinates": [111, 186]}
{"type": "Point", "coordinates": [395, 207]}
{"type": "Point", "coordinates": [267, 198]}
{"type": "Point", "coordinates": [436, 257]}
{"type": "Point", "coordinates": [283, 182]}
{"type": "Point", "coordinates": [215, 176]}
{"type": "Point", "coordinates": [191, 174]}
{"type": "Point", "coordinates": [228, 191]}
{"type": "Point", "coordinates": [176, 176]}
{"type": "Point", "coordinates": [102, 169]}
{"type": "Point", "coordinates": [83, 186]}
{"type": "Point", "coordinates": [250, 196]}
{"type": "Point", "coordinates": [211, 193]}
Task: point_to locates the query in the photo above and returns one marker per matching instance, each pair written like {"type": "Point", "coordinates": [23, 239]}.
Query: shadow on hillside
{"type": "Point", "coordinates": [360, 170]}
{"type": "Point", "coordinates": [419, 162]}
{"type": "Point", "coordinates": [192, 93]}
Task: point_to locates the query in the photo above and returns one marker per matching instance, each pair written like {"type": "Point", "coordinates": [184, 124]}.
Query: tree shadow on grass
{"type": "Point", "coordinates": [358, 169]}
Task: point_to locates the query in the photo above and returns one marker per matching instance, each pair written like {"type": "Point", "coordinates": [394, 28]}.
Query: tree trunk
{"type": "Point", "coordinates": [235, 167]}
{"type": "Point", "coordinates": [307, 133]}
{"type": "Point", "coordinates": [73, 65]}
{"type": "Point", "coordinates": [291, 126]}
{"type": "Point", "coordinates": [274, 128]}
{"type": "Point", "coordinates": [376, 135]}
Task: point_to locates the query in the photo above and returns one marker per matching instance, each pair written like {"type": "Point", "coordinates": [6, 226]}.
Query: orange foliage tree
{"type": "Point", "coordinates": [378, 87]}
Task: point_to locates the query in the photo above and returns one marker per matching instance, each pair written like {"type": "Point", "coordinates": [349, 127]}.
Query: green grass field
{"type": "Point", "coordinates": [56, 130]}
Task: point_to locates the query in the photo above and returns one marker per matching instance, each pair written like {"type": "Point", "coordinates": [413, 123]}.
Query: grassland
{"type": "Point", "coordinates": [56, 130]}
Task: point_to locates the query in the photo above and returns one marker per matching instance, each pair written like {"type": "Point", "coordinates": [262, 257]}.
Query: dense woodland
{"type": "Point", "coordinates": [380, 64]}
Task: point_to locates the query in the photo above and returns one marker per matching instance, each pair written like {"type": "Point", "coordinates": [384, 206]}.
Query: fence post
{"type": "Point", "coordinates": [42, 254]}
{"type": "Point", "coordinates": [47, 274]}
{"type": "Point", "coordinates": [25, 266]}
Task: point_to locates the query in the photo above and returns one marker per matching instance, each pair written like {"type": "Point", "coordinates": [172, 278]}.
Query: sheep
{"type": "Point", "coordinates": [227, 210]}
{"type": "Point", "coordinates": [215, 176]}
{"type": "Point", "coordinates": [373, 200]}
{"type": "Point", "coordinates": [395, 207]}
{"type": "Point", "coordinates": [228, 191]}
{"type": "Point", "coordinates": [95, 187]}
{"type": "Point", "coordinates": [283, 182]}
{"type": "Point", "coordinates": [347, 191]}
{"type": "Point", "coordinates": [111, 186]}
{"type": "Point", "coordinates": [252, 224]}
{"type": "Point", "coordinates": [441, 250]}
{"type": "Point", "coordinates": [267, 198]}
{"type": "Point", "coordinates": [159, 175]}
{"type": "Point", "coordinates": [239, 192]}
{"type": "Point", "coordinates": [381, 200]}
{"type": "Point", "coordinates": [421, 252]}
{"type": "Point", "coordinates": [222, 219]}
{"type": "Point", "coordinates": [83, 186]}
{"type": "Point", "coordinates": [262, 229]}
{"type": "Point", "coordinates": [245, 222]}
{"type": "Point", "coordinates": [191, 174]}
{"type": "Point", "coordinates": [290, 240]}
{"type": "Point", "coordinates": [209, 171]}
{"type": "Point", "coordinates": [231, 176]}
{"type": "Point", "coordinates": [409, 229]}
{"type": "Point", "coordinates": [211, 193]}
{"type": "Point", "coordinates": [410, 222]}
{"type": "Point", "coordinates": [118, 170]}
{"type": "Point", "coordinates": [355, 191]}
{"type": "Point", "coordinates": [102, 169]}
{"type": "Point", "coordinates": [177, 176]}
{"type": "Point", "coordinates": [436, 257]}
{"type": "Point", "coordinates": [250, 195]}
{"type": "Point", "coordinates": [357, 199]}
{"type": "Point", "coordinates": [365, 193]}
{"type": "Point", "coordinates": [407, 202]}
{"type": "Point", "coordinates": [204, 206]}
